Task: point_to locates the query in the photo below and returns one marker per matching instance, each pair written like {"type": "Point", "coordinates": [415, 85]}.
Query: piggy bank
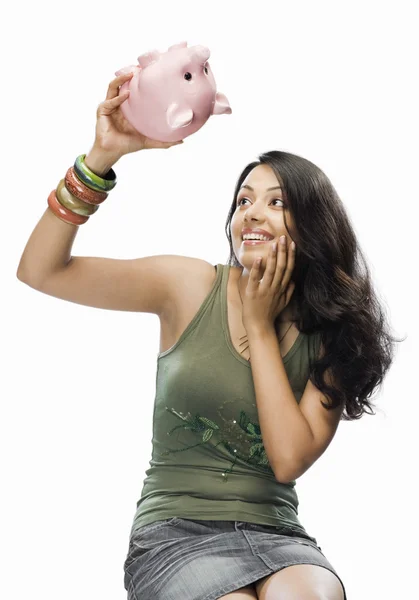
{"type": "Point", "coordinates": [172, 94]}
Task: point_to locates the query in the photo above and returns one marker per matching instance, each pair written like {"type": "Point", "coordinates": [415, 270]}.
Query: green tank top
{"type": "Point", "coordinates": [208, 460]}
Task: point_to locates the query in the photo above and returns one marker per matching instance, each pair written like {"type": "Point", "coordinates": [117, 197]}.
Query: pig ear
{"type": "Point", "coordinates": [177, 117]}
{"type": "Point", "coordinates": [148, 58]}
{"type": "Point", "coordinates": [180, 45]}
{"type": "Point", "coordinates": [221, 105]}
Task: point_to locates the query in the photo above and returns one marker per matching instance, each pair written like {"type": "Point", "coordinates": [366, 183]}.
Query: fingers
{"type": "Point", "coordinates": [255, 275]}
{"type": "Point", "coordinates": [280, 264]}
{"type": "Point", "coordinates": [278, 271]}
{"type": "Point", "coordinates": [287, 263]}
{"type": "Point", "coordinates": [113, 97]}
{"type": "Point", "coordinates": [107, 107]}
{"type": "Point", "coordinates": [113, 89]}
{"type": "Point", "coordinates": [157, 144]}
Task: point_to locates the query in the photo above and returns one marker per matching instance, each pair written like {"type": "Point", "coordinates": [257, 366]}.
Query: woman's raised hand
{"type": "Point", "coordinates": [114, 134]}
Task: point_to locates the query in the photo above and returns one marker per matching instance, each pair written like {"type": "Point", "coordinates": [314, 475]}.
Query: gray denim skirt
{"type": "Point", "coordinates": [184, 559]}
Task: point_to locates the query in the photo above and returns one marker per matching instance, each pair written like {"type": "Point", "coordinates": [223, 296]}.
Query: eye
{"type": "Point", "coordinates": [244, 198]}
{"type": "Point", "coordinates": [187, 76]}
{"type": "Point", "coordinates": [206, 70]}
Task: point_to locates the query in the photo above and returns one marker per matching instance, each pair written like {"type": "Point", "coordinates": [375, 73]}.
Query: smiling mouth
{"type": "Point", "coordinates": [255, 242]}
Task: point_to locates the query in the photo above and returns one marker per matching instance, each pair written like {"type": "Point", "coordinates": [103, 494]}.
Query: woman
{"type": "Point", "coordinates": [256, 369]}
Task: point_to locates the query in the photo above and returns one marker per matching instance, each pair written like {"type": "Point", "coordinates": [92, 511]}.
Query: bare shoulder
{"type": "Point", "coordinates": [190, 279]}
{"type": "Point", "coordinates": [192, 266]}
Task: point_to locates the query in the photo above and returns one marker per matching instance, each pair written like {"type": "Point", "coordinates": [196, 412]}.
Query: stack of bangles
{"type": "Point", "coordinates": [79, 194]}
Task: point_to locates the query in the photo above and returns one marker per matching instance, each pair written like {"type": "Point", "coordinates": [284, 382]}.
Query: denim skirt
{"type": "Point", "coordinates": [189, 559]}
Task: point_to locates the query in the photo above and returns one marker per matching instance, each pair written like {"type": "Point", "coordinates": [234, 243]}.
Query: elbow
{"type": "Point", "coordinates": [20, 275]}
{"type": "Point", "coordinates": [289, 474]}
{"type": "Point", "coordinates": [23, 278]}
{"type": "Point", "coordinates": [282, 476]}
{"type": "Point", "coordinates": [285, 480]}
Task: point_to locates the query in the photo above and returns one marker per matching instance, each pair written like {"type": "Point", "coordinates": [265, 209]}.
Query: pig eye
{"type": "Point", "coordinates": [188, 76]}
{"type": "Point", "coordinates": [206, 70]}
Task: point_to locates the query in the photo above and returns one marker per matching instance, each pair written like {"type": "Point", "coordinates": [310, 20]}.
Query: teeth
{"type": "Point", "coordinates": [254, 236]}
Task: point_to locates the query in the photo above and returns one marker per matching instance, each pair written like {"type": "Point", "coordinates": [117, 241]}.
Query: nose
{"type": "Point", "coordinates": [254, 212]}
{"type": "Point", "coordinates": [252, 218]}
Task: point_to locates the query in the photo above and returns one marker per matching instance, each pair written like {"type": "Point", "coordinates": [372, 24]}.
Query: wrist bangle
{"type": "Point", "coordinates": [80, 193]}
{"type": "Point", "coordinates": [63, 213]}
{"type": "Point", "coordinates": [73, 203]}
{"type": "Point", "coordinates": [91, 180]}
{"type": "Point", "coordinates": [79, 189]}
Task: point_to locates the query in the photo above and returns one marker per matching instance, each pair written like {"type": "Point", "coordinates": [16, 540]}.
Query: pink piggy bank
{"type": "Point", "coordinates": [172, 94]}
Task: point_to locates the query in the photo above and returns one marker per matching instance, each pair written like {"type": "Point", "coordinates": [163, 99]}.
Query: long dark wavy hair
{"type": "Point", "coordinates": [333, 296]}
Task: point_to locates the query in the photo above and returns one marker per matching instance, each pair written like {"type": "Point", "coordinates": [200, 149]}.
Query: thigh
{"type": "Point", "coordinates": [244, 593]}
{"type": "Point", "coordinates": [300, 581]}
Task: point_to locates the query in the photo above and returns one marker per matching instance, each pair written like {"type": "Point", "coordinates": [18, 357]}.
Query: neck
{"type": "Point", "coordinates": [288, 314]}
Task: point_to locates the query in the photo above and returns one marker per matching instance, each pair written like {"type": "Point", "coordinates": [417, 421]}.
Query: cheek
{"type": "Point", "coordinates": [235, 229]}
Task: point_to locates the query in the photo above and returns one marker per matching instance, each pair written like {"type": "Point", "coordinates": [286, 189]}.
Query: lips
{"type": "Point", "coordinates": [259, 231]}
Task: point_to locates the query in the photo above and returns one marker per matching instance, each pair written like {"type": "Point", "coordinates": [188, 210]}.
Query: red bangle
{"type": "Point", "coordinates": [64, 214]}
{"type": "Point", "coordinates": [81, 191]}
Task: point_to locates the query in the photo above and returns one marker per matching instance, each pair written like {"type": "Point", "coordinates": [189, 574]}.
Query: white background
{"type": "Point", "coordinates": [334, 82]}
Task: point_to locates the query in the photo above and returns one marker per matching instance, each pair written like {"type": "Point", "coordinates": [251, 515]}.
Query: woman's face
{"type": "Point", "coordinates": [261, 208]}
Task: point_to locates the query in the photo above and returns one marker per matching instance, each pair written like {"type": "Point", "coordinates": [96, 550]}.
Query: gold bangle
{"type": "Point", "coordinates": [72, 203]}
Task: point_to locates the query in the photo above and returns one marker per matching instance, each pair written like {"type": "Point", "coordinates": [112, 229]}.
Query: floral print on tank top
{"type": "Point", "coordinates": [239, 436]}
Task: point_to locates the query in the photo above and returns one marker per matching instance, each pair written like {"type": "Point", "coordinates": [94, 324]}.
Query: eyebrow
{"type": "Point", "coordinates": [277, 187]}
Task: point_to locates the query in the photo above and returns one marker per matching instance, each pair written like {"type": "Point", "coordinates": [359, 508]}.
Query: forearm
{"type": "Point", "coordinates": [284, 428]}
{"type": "Point", "coordinates": [50, 243]}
